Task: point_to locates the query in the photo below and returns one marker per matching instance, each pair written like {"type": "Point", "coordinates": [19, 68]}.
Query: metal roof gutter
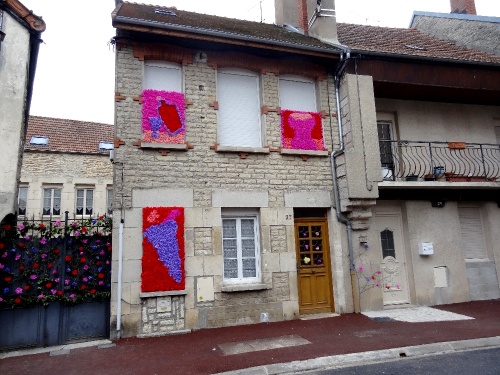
{"type": "Point", "coordinates": [424, 58]}
{"type": "Point", "coordinates": [221, 34]}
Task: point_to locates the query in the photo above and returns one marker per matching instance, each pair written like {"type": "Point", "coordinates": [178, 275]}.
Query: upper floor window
{"type": "Point", "coordinates": [51, 201]}
{"type": "Point", "coordinates": [240, 246]}
{"type": "Point", "coordinates": [109, 202]}
{"type": "Point", "coordinates": [84, 201]}
{"type": "Point", "coordinates": [163, 104]}
{"type": "Point", "coordinates": [239, 118]}
{"type": "Point", "coordinates": [22, 200]}
{"type": "Point", "coordinates": [301, 123]}
{"type": "Point", "coordinates": [164, 76]}
{"type": "Point", "coordinates": [298, 94]}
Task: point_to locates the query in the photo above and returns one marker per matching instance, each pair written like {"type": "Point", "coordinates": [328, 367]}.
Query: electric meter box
{"type": "Point", "coordinates": [425, 248]}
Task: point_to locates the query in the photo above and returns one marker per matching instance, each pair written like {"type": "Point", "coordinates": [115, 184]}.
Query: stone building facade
{"type": "Point", "coordinates": [66, 167]}
{"type": "Point", "coordinates": [253, 226]}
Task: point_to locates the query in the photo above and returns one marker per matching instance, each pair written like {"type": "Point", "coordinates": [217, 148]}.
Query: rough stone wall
{"type": "Point", "coordinates": [163, 314]}
{"type": "Point", "coordinates": [66, 165]}
{"type": "Point", "coordinates": [201, 167]}
{"type": "Point", "coordinates": [197, 179]}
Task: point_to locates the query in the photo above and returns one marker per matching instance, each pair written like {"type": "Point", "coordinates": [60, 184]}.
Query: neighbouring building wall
{"type": "Point", "coordinates": [14, 61]}
{"type": "Point", "coordinates": [208, 184]}
{"type": "Point", "coordinates": [476, 32]}
{"type": "Point", "coordinates": [447, 276]}
{"type": "Point", "coordinates": [425, 225]}
{"type": "Point", "coordinates": [67, 172]}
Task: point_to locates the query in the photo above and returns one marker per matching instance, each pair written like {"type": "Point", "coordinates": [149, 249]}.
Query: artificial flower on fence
{"type": "Point", "coordinates": [163, 249]}
{"type": "Point", "coordinates": [41, 262]}
{"type": "Point", "coordinates": [163, 117]}
{"type": "Point", "coordinates": [301, 130]}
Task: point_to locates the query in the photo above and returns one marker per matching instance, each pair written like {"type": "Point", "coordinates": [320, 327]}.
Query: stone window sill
{"type": "Point", "coordinates": [228, 288]}
{"type": "Point", "coordinates": [249, 150]}
{"type": "Point", "coordinates": [166, 146]}
{"type": "Point", "coordinates": [163, 294]}
{"type": "Point", "coordinates": [287, 151]}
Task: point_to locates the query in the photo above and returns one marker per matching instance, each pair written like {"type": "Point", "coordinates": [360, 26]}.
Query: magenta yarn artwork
{"type": "Point", "coordinates": [163, 117]}
{"type": "Point", "coordinates": [301, 130]}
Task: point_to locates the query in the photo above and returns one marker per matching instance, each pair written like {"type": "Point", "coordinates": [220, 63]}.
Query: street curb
{"type": "Point", "coordinates": [58, 349]}
{"type": "Point", "coordinates": [353, 359]}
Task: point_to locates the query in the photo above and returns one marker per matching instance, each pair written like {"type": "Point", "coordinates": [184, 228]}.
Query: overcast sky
{"type": "Point", "coordinates": [75, 73]}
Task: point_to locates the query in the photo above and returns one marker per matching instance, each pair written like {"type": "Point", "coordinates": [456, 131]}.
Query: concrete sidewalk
{"type": "Point", "coordinates": [278, 348]}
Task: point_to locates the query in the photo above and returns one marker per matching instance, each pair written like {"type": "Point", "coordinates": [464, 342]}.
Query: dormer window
{"type": "Point", "coordinates": [39, 141]}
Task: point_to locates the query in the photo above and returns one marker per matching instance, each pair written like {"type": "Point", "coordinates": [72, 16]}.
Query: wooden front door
{"type": "Point", "coordinates": [313, 266]}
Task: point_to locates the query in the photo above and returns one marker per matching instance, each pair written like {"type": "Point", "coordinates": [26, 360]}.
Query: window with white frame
{"type": "Point", "coordinates": [109, 201]}
{"type": "Point", "coordinates": [84, 201]}
{"type": "Point", "coordinates": [297, 94]}
{"type": "Point", "coordinates": [22, 200]}
{"type": "Point", "coordinates": [159, 75]}
{"type": "Point", "coordinates": [238, 117]}
{"type": "Point", "coordinates": [241, 250]}
{"type": "Point", "coordinates": [51, 201]}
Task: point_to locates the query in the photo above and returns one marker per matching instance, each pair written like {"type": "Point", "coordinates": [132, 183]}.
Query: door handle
{"type": "Point", "coordinates": [313, 271]}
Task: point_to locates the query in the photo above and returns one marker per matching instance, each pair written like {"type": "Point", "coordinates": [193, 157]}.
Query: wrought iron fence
{"type": "Point", "coordinates": [441, 161]}
{"type": "Point", "coordinates": [50, 260]}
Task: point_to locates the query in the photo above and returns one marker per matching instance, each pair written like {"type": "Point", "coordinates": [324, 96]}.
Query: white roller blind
{"type": "Point", "coordinates": [239, 109]}
{"type": "Point", "coordinates": [162, 76]}
{"type": "Point", "coordinates": [298, 94]}
{"type": "Point", "coordinates": [472, 233]}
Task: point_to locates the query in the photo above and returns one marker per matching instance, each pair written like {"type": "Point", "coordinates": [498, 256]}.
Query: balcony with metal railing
{"type": "Point", "coordinates": [440, 161]}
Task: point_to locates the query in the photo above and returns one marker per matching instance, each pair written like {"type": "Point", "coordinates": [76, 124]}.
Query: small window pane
{"type": "Point", "coordinates": [247, 228]}
{"type": "Point", "coordinates": [229, 228]}
{"type": "Point", "coordinates": [230, 253]}
{"type": "Point", "coordinates": [387, 243]}
{"type": "Point", "coordinates": [248, 247]}
{"type": "Point", "coordinates": [230, 274]}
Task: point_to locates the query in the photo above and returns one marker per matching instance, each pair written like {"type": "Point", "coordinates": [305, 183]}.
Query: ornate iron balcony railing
{"type": "Point", "coordinates": [439, 161]}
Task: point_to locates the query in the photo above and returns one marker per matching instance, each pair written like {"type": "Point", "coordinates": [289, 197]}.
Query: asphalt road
{"type": "Point", "coordinates": [478, 362]}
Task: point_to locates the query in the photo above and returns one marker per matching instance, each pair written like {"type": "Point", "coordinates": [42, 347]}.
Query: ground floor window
{"type": "Point", "coordinates": [241, 250]}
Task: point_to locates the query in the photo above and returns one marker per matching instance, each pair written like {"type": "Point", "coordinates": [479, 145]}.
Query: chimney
{"type": "Point", "coordinates": [463, 6]}
{"type": "Point", "coordinates": [291, 12]}
{"type": "Point", "coordinates": [298, 13]}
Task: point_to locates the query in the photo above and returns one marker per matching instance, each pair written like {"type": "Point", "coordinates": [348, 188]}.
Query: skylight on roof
{"type": "Point", "coordinates": [412, 46]}
{"type": "Point", "coordinates": [106, 145]}
{"type": "Point", "coordinates": [39, 141]}
{"type": "Point", "coordinates": [165, 12]}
